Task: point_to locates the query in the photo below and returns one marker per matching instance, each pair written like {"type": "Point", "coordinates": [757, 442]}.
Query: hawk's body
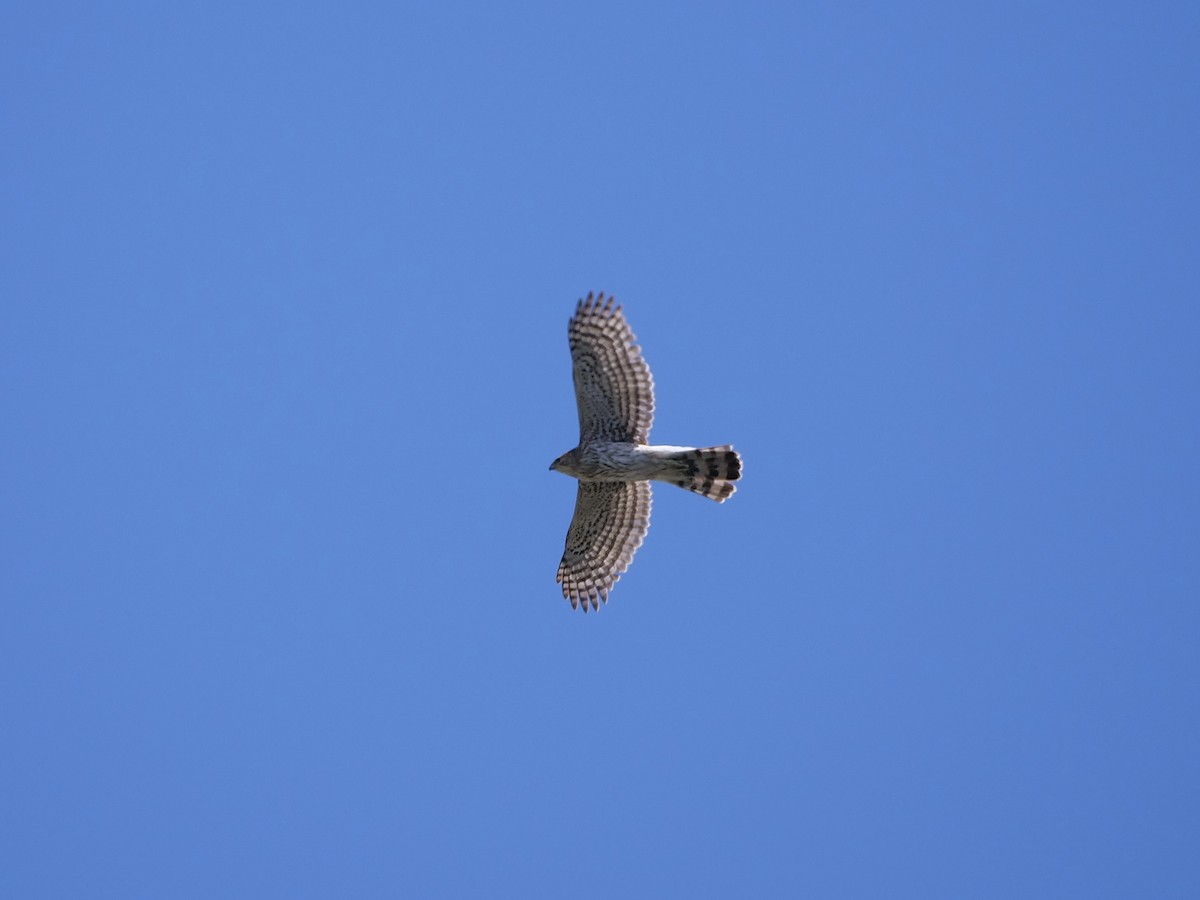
{"type": "Point", "coordinates": [613, 462]}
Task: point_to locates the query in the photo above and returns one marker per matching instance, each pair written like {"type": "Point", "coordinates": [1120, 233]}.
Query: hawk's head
{"type": "Point", "coordinates": [566, 463]}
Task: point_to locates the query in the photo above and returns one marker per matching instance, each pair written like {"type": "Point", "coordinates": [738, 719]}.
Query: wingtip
{"type": "Point", "coordinates": [598, 303]}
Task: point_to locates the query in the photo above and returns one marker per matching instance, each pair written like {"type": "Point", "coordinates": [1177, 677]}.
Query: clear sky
{"type": "Point", "coordinates": [283, 302]}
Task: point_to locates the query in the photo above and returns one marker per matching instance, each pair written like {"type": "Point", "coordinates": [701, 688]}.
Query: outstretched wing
{"type": "Point", "coordinates": [610, 521]}
{"type": "Point", "coordinates": [613, 387]}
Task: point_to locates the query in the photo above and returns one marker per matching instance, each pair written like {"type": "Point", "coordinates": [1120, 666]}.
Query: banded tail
{"type": "Point", "coordinates": [710, 471]}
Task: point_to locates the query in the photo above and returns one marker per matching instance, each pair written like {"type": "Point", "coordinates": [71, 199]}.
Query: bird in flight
{"type": "Point", "coordinates": [614, 461]}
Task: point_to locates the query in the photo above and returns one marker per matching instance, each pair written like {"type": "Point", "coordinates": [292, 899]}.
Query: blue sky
{"type": "Point", "coordinates": [283, 353]}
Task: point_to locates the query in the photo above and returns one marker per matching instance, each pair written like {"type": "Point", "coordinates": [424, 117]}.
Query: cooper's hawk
{"type": "Point", "coordinates": [613, 462]}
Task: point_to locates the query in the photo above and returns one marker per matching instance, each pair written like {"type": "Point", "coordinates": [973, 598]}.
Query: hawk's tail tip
{"type": "Point", "coordinates": [711, 471]}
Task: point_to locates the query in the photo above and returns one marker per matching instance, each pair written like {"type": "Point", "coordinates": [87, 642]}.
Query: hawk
{"type": "Point", "coordinates": [614, 461]}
